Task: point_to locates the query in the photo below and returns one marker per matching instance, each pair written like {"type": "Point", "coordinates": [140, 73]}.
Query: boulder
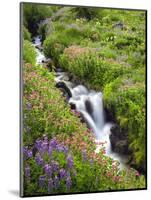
{"type": "Point", "coordinates": [66, 91]}
{"type": "Point", "coordinates": [119, 140]}
{"type": "Point", "coordinates": [73, 106]}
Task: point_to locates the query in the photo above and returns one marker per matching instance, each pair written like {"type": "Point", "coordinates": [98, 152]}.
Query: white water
{"type": "Point", "coordinates": [94, 116]}
{"type": "Point", "coordinates": [40, 56]}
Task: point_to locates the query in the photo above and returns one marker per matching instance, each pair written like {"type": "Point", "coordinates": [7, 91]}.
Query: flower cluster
{"type": "Point", "coordinates": [54, 172]}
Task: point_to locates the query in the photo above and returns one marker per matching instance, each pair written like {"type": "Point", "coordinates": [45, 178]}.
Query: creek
{"type": "Point", "coordinates": [88, 103]}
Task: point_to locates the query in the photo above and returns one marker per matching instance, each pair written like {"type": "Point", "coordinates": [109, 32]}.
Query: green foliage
{"type": "Point", "coordinates": [42, 106]}
{"type": "Point", "coordinates": [33, 13]}
{"type": "Point", "coordinates": [26, 34]}
{"type": "Point", "coordinates": [88, 13]}
{"type": "Point", "coordinates": [108, 57]}
{"type": "Point", "coordinates": [46, 115]}
{"type": "Point", "coordinates": [116, 65]}
{"type": "Point", "coordinates": [29, 52]}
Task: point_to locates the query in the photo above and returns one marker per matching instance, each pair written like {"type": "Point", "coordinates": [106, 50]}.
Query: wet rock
{"type": "Point", "coordinates": [39, 47]}
{"type": "Point", "coordinates": [66, 91]}
{"type": "Point", "coordinates": [119, 140]}
{"type": "Point", "coordinates": [73, 106]}
{"type": "Point", "coordinates": [89, 107]}
{"type": "Point", "coordinates": [58, 69]}
{"type": "Point", "coordinates": [119, 25]}
{"type": "Point", "coordinates": [109, 116]}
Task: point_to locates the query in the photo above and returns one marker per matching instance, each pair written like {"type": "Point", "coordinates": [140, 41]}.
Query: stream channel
{"type": "Point", "coordinates": [88, 103]}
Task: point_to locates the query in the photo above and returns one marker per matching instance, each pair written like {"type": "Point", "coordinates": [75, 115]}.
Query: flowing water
{"type": "Point", "coordinates": [89, 104]}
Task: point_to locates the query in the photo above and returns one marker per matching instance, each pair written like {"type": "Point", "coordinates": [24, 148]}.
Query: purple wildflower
{"type": "Point", "coordinates": [48, 169]}
{"type": "Point", "coordinates": [55, 165]}
{"type": "Point", "coordinates": [56, 181]}
{"type": "Point", "coordinates": [59, 148]}
{"type": "Point", "coordinates": [53, 143]}
{"type": "Point", "coordinates": [42, 180]}
{"type": "Point", "coordinates": [65, 150]}
{"type": "Point", "coordinates": [44, 146]}
{"type": "Point", "coordinates": [29, 153]}
{"type": "Point", "coordinates": [91, 162]}
{"type": "Point", "coordinates": [50, 185]}
{"type": "Point", "coordinates": [27, 171]}
{"type": "Point", "coordinates": [50, 149]}
{"type": "Point", "coordinates": [29, 106]}
{"type": "Point", "coordinates": [70, 161]}
{"type": "Point", "coordinates": [38, 144]}
{"type": "Point", "coordinates": [74, 172]}
{"type": "Point", "coordinates": [62, 173]}
{"type": "Point", "coordinates": [68, 182]}
{"type": "Point", "coordinates": [25, 152]}
{"type": "Point", "coordinates": [39, 159]}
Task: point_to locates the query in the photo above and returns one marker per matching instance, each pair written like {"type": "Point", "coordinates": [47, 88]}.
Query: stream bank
{"type": "Point", "coordinates": [89, 106]}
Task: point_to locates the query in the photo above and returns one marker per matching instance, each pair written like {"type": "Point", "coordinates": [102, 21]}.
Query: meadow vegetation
{"type": "Point", "coordinates": [106, 49]}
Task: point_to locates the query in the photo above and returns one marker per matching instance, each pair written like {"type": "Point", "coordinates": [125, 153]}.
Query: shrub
{"type": "Point", "coordinates": [29, 53]}
{"type": "Point", "coordinates": [33, 14]}
{"type": "Point", "coordinates": [26, 34]}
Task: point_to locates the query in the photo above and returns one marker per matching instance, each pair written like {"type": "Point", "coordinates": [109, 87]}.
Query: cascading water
{"type": "Point", "coordinates": [40, 56]}
{"type": "Point", "coordinates": [89, 104]}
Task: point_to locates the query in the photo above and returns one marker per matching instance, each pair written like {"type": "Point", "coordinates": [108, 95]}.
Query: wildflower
{"type": "Point", "coordinates": [39, 159]}
{"type": "Point", "coordinates": [56, 181]}
{"type": "Point", "coordinates": [68, 182]}
{"type": "Point", "coordinates": [42, 180]}
{"type": "Point", "coordinates": [62, 173]}
{"type": "Point", "coordinates": [55, 165]}
{"type": "Point", "coordinates": [137, 173]}
{"type": "Point", "coordinates": [27, 171]}
{"type": "Point", "coordinates": [29, 153]}
{"type": "Point", "coordinates": [44, 146]}
{"type": "Point", "coordinates": [65, 150]}
{"type": "Point", "coordinates": [50, 185]}
{"type": "Point", "coordinates": [74, 172]}
{"type": "Point", "coordinates": [50, 149]}
{"type": "Point", "coordinates": [48, 169]}
{"type": "Point", "coordinates": [25, 152]}
{"type": "Point", "coordinates": [38, 144]}
{"type": "Point", "coordinates": [91, 162]}
{"type": "Point", "coordinates": [53, 143]}
{"type": "Point", "coordinates": [59, 148]}
{"type": "Point", "coordinates": [29, 106]}
{"type": "Point", "coordinates": [70, 161]}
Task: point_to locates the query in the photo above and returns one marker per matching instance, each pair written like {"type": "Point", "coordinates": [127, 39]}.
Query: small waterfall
{"type": "Point", "coordinates": [88, 103]}
{"type": "Point", "coordinates": [40, 56]}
